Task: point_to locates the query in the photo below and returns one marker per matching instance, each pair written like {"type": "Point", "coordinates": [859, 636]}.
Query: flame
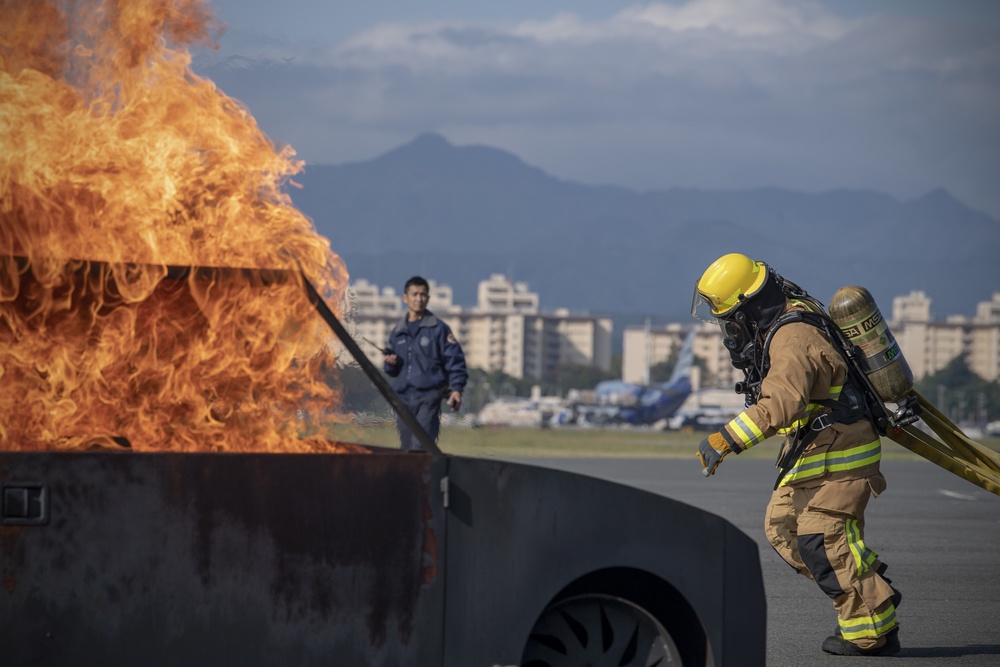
{"type": "Point", "coordinates": [117, 162]}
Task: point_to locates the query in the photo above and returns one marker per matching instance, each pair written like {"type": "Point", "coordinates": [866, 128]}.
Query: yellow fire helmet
{"type": "Point", "coordinates": [725, 284]}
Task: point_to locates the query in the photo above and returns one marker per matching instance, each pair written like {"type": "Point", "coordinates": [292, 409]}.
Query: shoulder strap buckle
{"type": "Point", "coordinates": [821, 422]}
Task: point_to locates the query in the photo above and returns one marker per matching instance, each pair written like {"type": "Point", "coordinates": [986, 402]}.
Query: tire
{"type": "Point", "coordinates": [601, 631]}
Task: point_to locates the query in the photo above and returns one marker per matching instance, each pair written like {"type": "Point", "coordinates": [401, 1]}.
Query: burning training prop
{"type": "Point", "coordinates": [118, 163]}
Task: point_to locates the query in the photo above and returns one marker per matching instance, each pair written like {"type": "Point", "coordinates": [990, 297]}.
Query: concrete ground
{"type": "Point", "coordinates": [939, 534]}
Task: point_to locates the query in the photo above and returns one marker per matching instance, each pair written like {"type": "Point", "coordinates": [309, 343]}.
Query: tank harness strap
{"type": "Point", "coordinates": [840, 413]}
{"type": "Point", "coordinates": [847, 408]}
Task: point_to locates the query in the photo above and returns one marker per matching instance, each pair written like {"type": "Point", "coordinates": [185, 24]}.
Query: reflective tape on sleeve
{"type": "Point", "coordinates": [746, 431]}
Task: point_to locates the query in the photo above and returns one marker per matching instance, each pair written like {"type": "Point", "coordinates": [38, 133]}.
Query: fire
{"type": "Point", "coordinates": [117, 162]}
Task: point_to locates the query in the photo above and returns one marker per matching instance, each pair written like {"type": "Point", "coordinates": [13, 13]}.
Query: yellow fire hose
{"type": "Point", "coordinates": [954, 451]}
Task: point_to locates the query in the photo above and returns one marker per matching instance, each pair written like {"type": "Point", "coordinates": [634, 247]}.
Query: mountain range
{"type": "Point", "coordinates": [457, 214]}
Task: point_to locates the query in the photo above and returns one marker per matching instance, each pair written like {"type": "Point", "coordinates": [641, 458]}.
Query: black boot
{"type": "Point", "coordinates": [837, 645]}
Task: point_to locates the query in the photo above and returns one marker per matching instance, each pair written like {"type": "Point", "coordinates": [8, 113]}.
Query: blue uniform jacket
{"type": "Point", "coordinates": [431, 360]}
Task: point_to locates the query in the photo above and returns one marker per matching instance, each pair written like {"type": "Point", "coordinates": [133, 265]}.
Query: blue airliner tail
{"type": "Point", "coordinates": [647, 404]}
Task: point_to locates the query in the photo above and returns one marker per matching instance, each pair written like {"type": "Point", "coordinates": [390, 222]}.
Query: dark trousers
{"type": "Point", "coordinates": [426, 407]}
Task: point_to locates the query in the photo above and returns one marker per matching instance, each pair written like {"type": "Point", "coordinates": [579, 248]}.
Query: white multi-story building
{"type": "Point", "coordinates": [367, 298]}
{"type": "Point", "coordinates": [929, 345]}
{"type": "Point", "coordinates": [505, 331]}
{"type": "Point", "coordinates": [499, 295]}
{"type": "Point", "coordinates": [644, 347]}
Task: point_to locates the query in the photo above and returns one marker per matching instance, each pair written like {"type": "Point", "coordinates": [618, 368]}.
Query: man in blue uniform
{"type": "Point", "coordinates": [426, 364]}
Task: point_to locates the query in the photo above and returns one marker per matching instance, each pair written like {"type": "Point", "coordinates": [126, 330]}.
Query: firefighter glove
{"type": "Point", "coordinates": [711, 451]}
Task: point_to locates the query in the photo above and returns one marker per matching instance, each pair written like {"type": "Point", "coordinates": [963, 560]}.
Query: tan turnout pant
{"type": "Point", "coordinates": [819, 531]}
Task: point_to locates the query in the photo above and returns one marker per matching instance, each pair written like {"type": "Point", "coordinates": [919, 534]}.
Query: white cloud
{"type": "Point", "coordinates": [722, 27]}
{"type": "Point", "coordinates": [710, 93]}
{"type": "Point", "coordinates": [776, 19]}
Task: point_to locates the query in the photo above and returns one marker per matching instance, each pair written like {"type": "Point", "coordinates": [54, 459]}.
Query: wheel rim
{"type": "Point", "coordinates": [600, 631]}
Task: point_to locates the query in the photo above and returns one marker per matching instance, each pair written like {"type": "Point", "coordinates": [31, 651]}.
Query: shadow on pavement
{"type": "Point", "coordinates": [949, 651]}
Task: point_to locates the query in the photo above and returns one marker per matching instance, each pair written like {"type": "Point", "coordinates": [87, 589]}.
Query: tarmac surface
{"type": "Point", "coordinates": [939, 534]}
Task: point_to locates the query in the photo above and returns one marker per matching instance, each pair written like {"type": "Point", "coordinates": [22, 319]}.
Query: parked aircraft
{"type": "Point", "coordinates": [648, 404]}
{"type": "Point", "coordinates": [611, 402]}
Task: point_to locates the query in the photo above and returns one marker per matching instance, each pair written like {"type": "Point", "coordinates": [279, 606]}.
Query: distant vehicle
{"type": "Point", "coordinates": [707, 418]}
{"type": "Point", "coordinates": [525, 412]}
{"type": "Point", "coordinates": [648, 404]}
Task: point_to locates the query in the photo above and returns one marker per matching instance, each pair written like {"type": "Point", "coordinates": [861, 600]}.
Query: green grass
{"type": "Point", "coordinates": [518, 442]}
{"type": "Point", "coordinates": [577, 442]}
{"type": "Point", "coordinates": [526, 442]}
{"type": "Point", "coordinates": [605, 442]}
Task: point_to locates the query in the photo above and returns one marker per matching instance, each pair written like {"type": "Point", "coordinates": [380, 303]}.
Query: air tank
{"type": "Point", "coordinates": [856, 313]}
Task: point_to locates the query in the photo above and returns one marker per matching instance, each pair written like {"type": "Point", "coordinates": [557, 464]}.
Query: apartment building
{"type": "Point", "coordinates": [644, 346]}
{"type": "Point", "coordinates": [504, 331]}
{"type": "Point", "coordinates": [927, 345]}
{"type": "Point", "coordinates": [499, 295]}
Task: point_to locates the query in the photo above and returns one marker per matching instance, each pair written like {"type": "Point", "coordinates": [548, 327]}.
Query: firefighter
{"type": "Point", "coordinates": [798, 385]}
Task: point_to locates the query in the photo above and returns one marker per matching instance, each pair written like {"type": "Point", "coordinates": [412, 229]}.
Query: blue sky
{"type": "Point", "coordinates": [900, 96]}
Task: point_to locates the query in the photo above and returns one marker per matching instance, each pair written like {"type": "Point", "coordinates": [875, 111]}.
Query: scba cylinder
{"type": "Point", "coordinates": [855, 312]}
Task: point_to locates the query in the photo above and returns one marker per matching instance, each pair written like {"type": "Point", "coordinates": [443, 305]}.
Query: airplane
{"type": "Point", "coordinates": [647, 404]}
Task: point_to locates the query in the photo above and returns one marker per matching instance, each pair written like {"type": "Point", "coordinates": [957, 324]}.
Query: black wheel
{"type": "Point", "coordinates": [601, 631]}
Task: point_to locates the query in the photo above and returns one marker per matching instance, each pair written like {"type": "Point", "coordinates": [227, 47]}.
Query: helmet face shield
{"type": "Point", "coordinates": [702, 307]}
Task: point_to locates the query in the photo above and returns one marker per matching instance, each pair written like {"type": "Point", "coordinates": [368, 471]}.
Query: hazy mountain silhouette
{"type": "Point", "coordinates": [458, 214]}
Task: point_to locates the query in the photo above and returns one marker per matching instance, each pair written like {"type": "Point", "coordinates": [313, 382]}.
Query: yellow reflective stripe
{"type": "Point", "coordinates": [824, 462]}
{"type": "Point", "coordinates": [746, 430]}
{"type": "Point", "coordinates": [864, 557]}
{"type": "Point", "coordinates": [810, 409]}
{"type": "Point", "coordinates": [728, 302]}
{"type": "Point", "coordinates": [868, 626]}
{"type": "Point", "coordinates": [802, 421]}
{"type": "Point", "coordinates": [798, 423]}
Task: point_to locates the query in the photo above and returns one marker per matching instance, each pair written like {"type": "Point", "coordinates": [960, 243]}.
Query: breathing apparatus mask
{"type": "Point", "coordinates": [738, 336]}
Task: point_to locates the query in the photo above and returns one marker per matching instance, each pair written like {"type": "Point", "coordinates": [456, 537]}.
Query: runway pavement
{"type": "Point", "coordinates": [939, 534]}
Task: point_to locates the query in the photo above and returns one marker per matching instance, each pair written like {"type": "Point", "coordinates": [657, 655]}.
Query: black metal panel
{"type": "Point", "coordinates": [519, 535]}
{"type": "Point", "coordinates": [264, 559]}
{"type": "Point", "coordinates": [234, 559]}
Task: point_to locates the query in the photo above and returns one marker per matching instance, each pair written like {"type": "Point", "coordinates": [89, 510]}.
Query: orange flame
{"type": "Point", "coordinates": [117, 161]}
